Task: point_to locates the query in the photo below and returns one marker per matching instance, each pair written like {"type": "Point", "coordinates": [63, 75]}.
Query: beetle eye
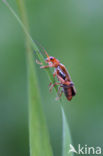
{"type": "Point", "coordinates": [51, 58]}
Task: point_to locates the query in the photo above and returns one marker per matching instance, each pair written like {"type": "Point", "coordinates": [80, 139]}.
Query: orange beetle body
{"type": "Point", "coordinates": [62, 76]}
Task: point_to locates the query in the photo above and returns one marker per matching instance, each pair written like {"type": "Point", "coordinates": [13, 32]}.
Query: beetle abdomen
{"type": "Point", "coordinates": [69, 91]}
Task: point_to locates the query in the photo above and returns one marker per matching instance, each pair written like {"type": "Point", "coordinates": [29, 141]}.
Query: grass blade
{"type": "Point", "coordinates": [34, 96]}
{"type": "Point", "coordinates": [39, 138]}
{"type": "Point", "coordinates": [32, 43]}
{"type": "Point", "coordinates": [66, 135]}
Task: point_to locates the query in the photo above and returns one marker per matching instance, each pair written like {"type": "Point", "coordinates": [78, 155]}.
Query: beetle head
{"type": "Point", "coordinates": [51, 59]}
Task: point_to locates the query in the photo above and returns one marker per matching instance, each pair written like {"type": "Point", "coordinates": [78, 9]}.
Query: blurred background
{"type": "Point", "coordinates": [72, 31]}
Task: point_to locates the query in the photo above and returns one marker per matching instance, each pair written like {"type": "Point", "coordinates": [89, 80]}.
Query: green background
{"type": "Point", "coordinates": [72, 31]}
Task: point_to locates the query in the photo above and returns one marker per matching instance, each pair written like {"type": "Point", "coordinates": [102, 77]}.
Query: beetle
{"type": "Point", "coordinates": [63, 77]}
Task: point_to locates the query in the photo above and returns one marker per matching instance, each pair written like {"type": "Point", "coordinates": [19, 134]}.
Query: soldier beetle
{"type": "Point", "coordinates": [63, 77]}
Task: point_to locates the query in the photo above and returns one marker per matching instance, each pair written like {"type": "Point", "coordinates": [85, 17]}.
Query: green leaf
{"type": "Point", "coordinates": [66, 135]}
{"type": "Point", "coordinates": [38, 133]}
{"type": "Point", "coordinates": [39, 140]}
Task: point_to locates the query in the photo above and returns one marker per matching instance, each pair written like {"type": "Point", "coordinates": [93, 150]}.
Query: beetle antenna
{"type": "Point", "coordinates": [46, 53]}
{"type": "Point", "coordinates": [42, 48]}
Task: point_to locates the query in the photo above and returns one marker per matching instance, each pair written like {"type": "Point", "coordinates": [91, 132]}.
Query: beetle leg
{"type": "Point", "coordinates": [59, 89]}
{"type": "Point", "coordinates": [50, 84]}
{"type": "Point", "coordinates": [48, 66]}
{"type": "Point", "coordinates": [38, 62]}
{"type": "Point", "coordinates": [67, 85]}
{"type": "Point", "coordinates": [61, 79]}
{"type": "Point", "coordinates": [70, 84]}
{"type": "Point", "coordinates": [54, 74]}
{"type": "Point", "coordinates": [59, 96]}
{"type": "Point", "coordinates": [56, 83]}
{"type": "Point", "coordinates": [65, 82]}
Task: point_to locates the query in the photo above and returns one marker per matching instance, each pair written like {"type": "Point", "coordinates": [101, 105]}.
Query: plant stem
{"type": "Point", "coordinates": [38, 134]}
{"type": "Point", "coordinates": [33, 81]}
{"type": "Point", "coordinates": [33, 45]}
